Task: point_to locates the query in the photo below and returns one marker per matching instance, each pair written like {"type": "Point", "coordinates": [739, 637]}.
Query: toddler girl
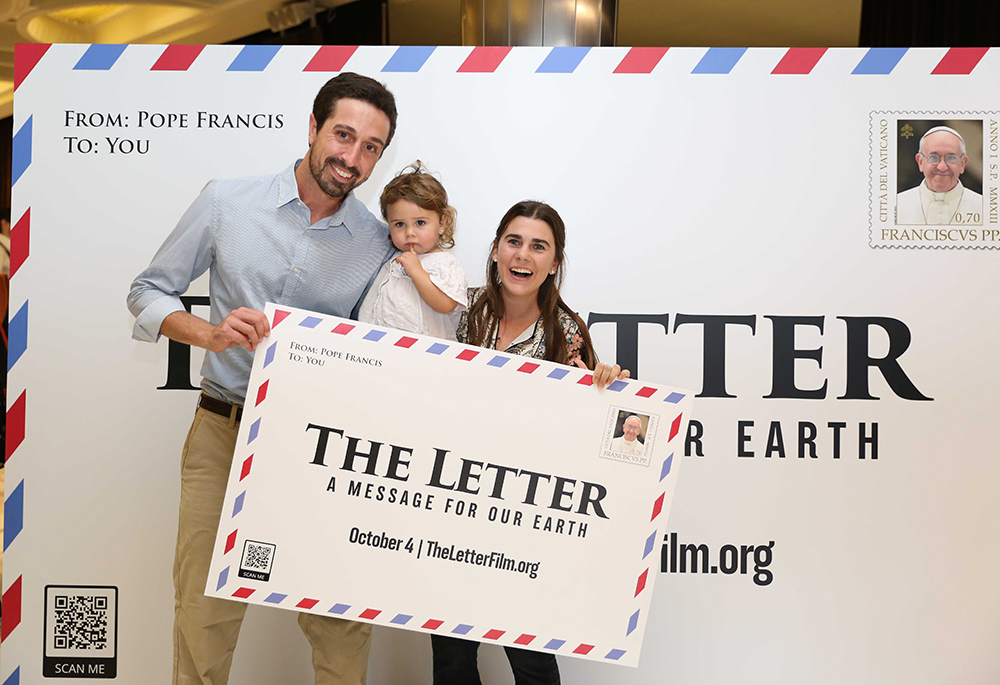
{"type": "Point", "coordinates": [423, 289]}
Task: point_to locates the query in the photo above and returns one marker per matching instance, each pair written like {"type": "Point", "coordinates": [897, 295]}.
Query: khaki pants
{"type": "Point", "coordinates": [205, 628]}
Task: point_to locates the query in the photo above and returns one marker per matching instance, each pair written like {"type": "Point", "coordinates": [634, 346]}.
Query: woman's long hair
{"type": "Point", "coordinates": [486, 312]}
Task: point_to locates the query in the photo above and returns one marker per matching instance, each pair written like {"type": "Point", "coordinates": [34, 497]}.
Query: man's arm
{"type": "Point", "coordinates": [242, 326]}
{"type": "Point", "coordinates": [390, 252]}
{"type": "Point", "coordinates": [186, 254]}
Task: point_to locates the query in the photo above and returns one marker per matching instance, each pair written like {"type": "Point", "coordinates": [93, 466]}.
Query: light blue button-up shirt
{"type": "Point", "coordinates": [255, 237]}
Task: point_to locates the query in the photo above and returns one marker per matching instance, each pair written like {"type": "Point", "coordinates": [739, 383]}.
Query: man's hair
{"type": "Point", "coordinates": [950, 130]}
{"type": "Point", "coordinates": [355, 87]}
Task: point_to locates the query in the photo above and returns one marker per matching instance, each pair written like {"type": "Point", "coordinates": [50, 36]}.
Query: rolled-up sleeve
{"type": "Point", "coordinates": [184, 256]}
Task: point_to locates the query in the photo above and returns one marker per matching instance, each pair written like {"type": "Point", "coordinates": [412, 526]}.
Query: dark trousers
{"type": "Point", "coordinates": [456, 663]}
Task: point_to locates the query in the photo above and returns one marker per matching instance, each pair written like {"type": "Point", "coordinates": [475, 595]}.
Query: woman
{"type": "Point", "coordinates": [519, 310]}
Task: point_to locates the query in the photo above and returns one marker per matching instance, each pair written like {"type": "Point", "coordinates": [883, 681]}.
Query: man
{"type": "Point", "coordinates": [629, 443]}
{"type": "Point", "coordinates": [299, 238]}
{"type": "Point", "coordinates": [940, 198]}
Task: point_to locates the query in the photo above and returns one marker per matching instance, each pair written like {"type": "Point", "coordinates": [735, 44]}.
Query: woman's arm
{"type": "Point", "coordinates": [576, 341]}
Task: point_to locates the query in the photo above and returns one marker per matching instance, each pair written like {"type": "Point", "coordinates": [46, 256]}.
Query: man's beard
{"type": "Point", "coordinates": [329, 183]}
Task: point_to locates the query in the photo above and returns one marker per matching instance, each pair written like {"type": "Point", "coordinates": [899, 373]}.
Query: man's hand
{"type": "Point", "coordinates": [410, 263]}
{"type": "Point", "coordinates": [243, 326]}
{"type": "Point", "coordinates": [604, 374]}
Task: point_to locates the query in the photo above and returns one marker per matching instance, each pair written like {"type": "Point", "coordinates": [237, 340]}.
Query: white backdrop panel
{"type": "Point", "coordinates": [686, 195]}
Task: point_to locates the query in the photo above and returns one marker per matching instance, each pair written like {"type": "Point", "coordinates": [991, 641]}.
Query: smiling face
{"type": "Point", "coordinates": [941, 177]}
{"type": "Point", "coordinates": [343, 152]}
{"type": "Point", "coordinates": [413, 228]}
{"type": "Point", "coordinates": [525, 256]}
{"type": "Point", "coordinates": [632, 428]}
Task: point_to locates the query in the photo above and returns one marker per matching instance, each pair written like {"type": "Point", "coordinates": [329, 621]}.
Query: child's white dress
{"type": "Point", "coordinates": [394, 302]}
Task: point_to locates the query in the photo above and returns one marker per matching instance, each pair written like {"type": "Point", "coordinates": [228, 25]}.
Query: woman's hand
{"type": "Point", "coordinates": [604, 374]}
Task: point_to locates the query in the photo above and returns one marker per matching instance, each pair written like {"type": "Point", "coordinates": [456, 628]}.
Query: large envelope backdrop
{"type": "Point", "coordinates": [732, 227]}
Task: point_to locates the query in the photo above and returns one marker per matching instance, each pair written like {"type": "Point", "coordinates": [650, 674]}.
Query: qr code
{"type": "Point", "coordinates": [81, 621]}
{"type": "Point", "coordinates": [258, 558]}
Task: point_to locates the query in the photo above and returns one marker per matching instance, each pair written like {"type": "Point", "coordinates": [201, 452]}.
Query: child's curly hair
{"type": "Point", "coordinates": [415, 184]}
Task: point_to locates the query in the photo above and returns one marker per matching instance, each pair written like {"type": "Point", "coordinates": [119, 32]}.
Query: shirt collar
{"type": "Point", "coordinates": [527, 334]}
{"type": "Point", "coordinates": [352, 214]}
{"type": "Point", "coordinates": [929, 195]}
{"type": "Point", "coordinates": [288, 189]}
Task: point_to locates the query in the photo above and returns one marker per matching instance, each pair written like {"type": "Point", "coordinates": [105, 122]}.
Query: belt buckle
{"type": "Point", "coordinates": [234, 415]}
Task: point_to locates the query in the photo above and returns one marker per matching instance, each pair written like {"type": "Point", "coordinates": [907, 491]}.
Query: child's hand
{"type": "Point", "coordinates": [410, 263]}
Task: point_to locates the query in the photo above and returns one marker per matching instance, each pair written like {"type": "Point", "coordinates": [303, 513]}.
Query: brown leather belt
{"type": "Point", "coordinates": [220, 407]}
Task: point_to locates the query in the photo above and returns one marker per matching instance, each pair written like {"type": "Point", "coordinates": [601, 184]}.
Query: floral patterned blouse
{"type": "Point", "coordinates": [532, 342]}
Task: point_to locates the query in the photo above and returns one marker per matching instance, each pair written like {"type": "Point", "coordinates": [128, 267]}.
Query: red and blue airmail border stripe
{"type": "Point", "coordinates": [485, 60]}
{"type": "Point", "coordinates": [17, 346]}
{"type": "Point", "coordinates": [464, 353]}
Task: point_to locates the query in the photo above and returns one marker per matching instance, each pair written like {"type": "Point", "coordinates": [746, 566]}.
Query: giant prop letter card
{"type": "Point", "coordinates": [416, 483]}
